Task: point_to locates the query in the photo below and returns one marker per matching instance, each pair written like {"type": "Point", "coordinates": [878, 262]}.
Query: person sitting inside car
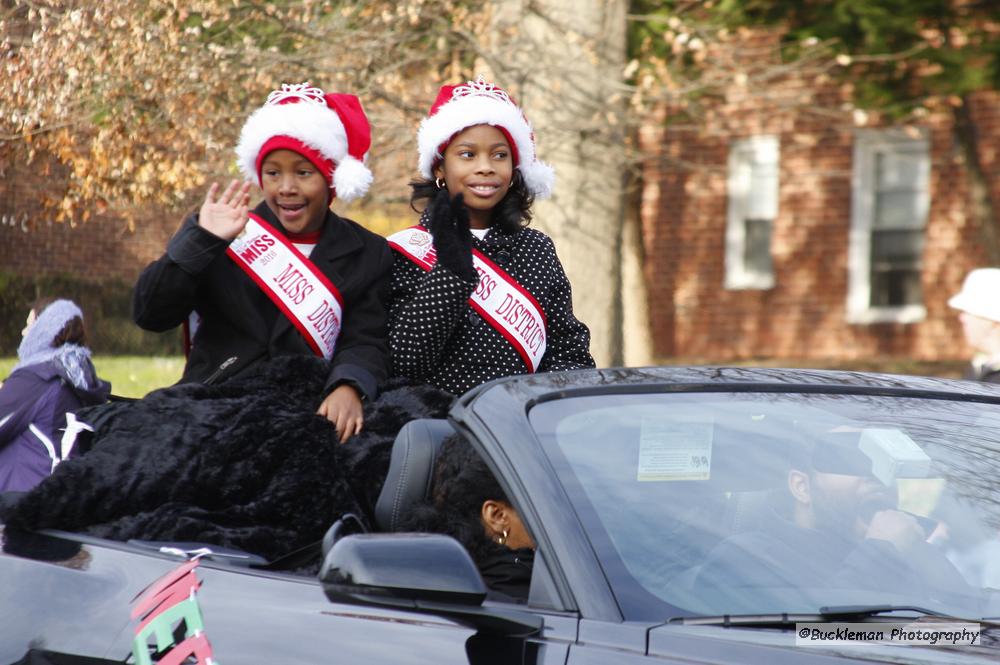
{"type": "Point", "coordinates": [468, 504]}
{"type": "Point", "coordinates": [833, 524]}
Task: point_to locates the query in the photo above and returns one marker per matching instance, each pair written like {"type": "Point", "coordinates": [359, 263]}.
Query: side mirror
{"type": "Point", "coordinates": [427, 573]}
{"type": "Point", "coordinates": [403, 567]}
{"type": "Point", "coordinates": [347, 525]}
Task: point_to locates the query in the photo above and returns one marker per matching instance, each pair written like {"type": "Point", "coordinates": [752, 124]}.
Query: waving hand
{"type": "Point", "coordinates": [226, 215]}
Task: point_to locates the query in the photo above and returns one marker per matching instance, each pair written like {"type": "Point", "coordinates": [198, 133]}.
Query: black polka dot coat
{"type": "Point", "coordinates": [435, 336]}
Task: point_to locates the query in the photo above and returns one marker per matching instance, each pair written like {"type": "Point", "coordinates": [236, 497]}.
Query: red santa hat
{"type": "Point", "coordinates": [480, 103]}
{"type": "Point", "coordinates": [331, 130]}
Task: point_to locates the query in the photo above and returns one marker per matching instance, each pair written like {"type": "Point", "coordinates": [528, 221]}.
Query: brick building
{"type": "Point", "coordinates": [810, 230]}
{"type": "Point", "coordinates": [103, 248]}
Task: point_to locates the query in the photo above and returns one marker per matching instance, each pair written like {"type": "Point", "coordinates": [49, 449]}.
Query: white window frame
{"type": "Point", "coordinates": [868, 143]}
{"type": "Point", "coordinates": [738, 275]}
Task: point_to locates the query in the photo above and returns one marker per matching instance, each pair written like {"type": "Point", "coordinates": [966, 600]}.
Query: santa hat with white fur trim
{"type": "Point", "coordinates": [329, 129]}
{"type": "Point", "coordinates": [480, 103]}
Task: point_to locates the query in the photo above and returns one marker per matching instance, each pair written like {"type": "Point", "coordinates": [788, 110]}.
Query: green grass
{"type": "Point", "coordinates": [130, 376]}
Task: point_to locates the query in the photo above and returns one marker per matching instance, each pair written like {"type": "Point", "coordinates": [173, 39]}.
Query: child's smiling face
{"type": "Point", "coordinates": [478, 165]}
{"type": "Point", "coordinates": [295, 190]}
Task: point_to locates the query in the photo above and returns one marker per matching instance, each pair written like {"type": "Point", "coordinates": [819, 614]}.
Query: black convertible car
{"type": "Point", "coordinates": [687, 515]}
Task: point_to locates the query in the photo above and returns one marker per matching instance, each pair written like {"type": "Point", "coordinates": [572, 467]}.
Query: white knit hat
{"type": "Point", "coordinates": [330, 129]}
{"type": "Point", "coordinates": [980, 294]}
{"type": "Point", "coordinates": [480, 103]}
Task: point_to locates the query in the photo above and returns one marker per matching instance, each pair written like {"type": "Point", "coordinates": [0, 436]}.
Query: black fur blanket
{"type": "Point", "coordinates": [245, 464]}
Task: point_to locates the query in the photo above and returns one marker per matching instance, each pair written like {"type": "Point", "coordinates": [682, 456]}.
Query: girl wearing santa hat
{"type": "Point", "coordinates": [289, 277]}
{"type": "Point", "coordinates": [477, 295]}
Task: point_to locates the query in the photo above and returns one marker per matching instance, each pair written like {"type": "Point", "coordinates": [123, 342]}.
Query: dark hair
{"type": "Point", "coordinates": [512, 214]}
{"type": "Point", "coordinates": [461, 484]}
{"type": "Point", "coordinates": [72, 333]}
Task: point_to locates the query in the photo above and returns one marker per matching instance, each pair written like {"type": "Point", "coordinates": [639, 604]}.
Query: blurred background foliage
{"type": "Point", "coordinates": [106, 307]}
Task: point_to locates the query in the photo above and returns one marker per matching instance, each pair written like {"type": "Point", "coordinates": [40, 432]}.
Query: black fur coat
{"type": "Point", "coordinates": [245, 464]}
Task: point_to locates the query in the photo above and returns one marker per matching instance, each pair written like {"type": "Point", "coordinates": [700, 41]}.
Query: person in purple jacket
{"type": "Point", "coordinates": [53, 377]}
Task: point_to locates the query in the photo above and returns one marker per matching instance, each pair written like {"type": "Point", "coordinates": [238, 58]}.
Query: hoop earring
{"type": "Point", "coordinates": [502, 538]}
{"type": "Point", "coordinates": [439, 183]}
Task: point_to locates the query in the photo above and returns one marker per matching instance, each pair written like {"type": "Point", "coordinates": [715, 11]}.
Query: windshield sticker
{"type": "Point", "coordinates": [894, 455]}
{"type": "Point", "coordinates": [162, 609]}
{"type": "Point", "coordinates": [671, 450]}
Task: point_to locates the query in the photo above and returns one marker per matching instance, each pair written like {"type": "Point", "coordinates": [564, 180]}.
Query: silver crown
{"type": "Point", "coordinates": [300, 91]}
{"type": "Point", "coordinates": [480, 88]}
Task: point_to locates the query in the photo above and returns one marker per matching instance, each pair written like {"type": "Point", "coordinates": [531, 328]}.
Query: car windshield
{"type": "Point", "coordinates": [734, 503]}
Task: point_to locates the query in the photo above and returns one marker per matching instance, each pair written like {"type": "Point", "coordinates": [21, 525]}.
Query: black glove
{"type": "Point", "coordinates": [449, 226]}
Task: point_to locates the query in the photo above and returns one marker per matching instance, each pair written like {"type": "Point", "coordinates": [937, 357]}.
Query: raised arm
{"type": "Point", "coordinates": [165, 292]}
{"type": "Point", "coordinates": [426, 307]}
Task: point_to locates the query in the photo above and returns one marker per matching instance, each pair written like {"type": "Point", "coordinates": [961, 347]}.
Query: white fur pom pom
{"type": "Point", "coordinates": [539, 177]}
{"type": "Point", "coordinates": [351, 179]}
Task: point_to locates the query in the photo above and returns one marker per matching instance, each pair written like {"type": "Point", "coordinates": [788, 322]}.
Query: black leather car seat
{"type": "Point", "coordinates": [411, 469]}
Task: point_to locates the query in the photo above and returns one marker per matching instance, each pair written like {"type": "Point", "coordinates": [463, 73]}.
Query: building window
{"type": "Point", "coordinates": [753, 205]}
{"type": "Point", "coordinates": [890, 200]}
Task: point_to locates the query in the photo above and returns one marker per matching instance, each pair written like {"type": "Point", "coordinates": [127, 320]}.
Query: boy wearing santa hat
{"type": "Point", "coordinates": [475, 294]}
{"type": "Point", "coordinates": [289, 276]}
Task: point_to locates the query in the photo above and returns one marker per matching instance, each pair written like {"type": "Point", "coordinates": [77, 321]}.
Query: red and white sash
{"type": "Point", "coordinates": [505, 304]}
{"type": "Point", "coordinates": [292, 282]}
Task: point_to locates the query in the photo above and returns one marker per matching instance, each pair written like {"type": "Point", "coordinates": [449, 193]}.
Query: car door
{"type": "Point", "coordinates": [253, 616]}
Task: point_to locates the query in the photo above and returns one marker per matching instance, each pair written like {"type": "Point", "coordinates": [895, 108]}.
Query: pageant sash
{"type": "Point", "coordinates": [292, 282]}
{"type": "Point", "coordinates": [505, 304]}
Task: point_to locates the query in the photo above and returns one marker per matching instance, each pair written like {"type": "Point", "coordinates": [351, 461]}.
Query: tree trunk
{"type": "Point", "coordinates": [637, 338]}
{"type": "Point", "coordinates": [563, 60]}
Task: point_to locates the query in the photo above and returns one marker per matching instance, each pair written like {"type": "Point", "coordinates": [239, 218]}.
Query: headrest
{"type": "Point", "coordinates": [411, 468]}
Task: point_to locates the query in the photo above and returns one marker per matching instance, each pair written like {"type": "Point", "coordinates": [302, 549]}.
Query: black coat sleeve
{"type": "Point", "coordinates": [568, 343]}
{"type": "Point", "coordinates": [166, 291]}
{"type": "Point", "coordinates": [361, 358]}
{"type": "Point", "coordinates": [425, 310]}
